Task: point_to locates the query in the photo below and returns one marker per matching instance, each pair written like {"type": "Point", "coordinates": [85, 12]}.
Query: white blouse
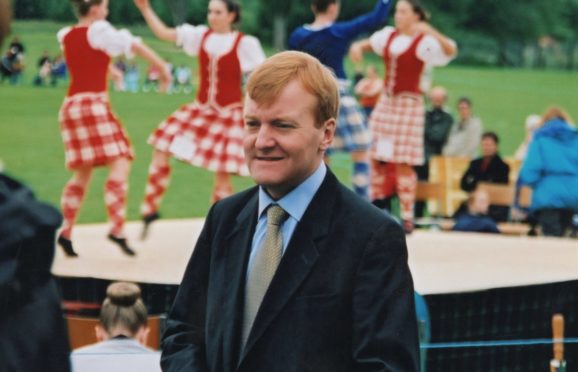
{"type": "Point", "coordinates": [103, 36]}
{"type": "Point", "coordinates": [429, 50]}
{"type": "Point", "coordinates": [250, 52]}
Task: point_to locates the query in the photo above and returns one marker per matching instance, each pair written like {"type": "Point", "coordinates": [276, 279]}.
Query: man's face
{"type": "Point", "coordinates": [489, 147]}
{"type": "Point", "coordinates": [464, 110]}
{"type": "Point", "coordinates": [282, 144]}
{"type": "Point", "coordinates": [437, 98]}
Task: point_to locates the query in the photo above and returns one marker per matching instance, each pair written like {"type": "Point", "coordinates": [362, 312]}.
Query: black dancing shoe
{"type": "Point", "coordinates": [122, 244]}
{"type": "Point", "coordinates": [66, 245]}
{"type": "Point", "coordinates": [147, 220]}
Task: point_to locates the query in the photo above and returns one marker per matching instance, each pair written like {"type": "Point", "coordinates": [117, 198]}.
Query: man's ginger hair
{"type": "Point", "coordinates": [270, 78]}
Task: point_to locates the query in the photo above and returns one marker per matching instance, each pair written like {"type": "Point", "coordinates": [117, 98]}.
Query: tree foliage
{"type": "Point", "coordinates": [488, 31]}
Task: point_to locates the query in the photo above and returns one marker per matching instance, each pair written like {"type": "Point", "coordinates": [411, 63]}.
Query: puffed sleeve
{"type": "Point", "coordinates": [379, 39]}
{"type": "Point", "coordinates": [430, 51]}
{"type": "Point", "coordinates": [102, 35]}
{"type": "Point", "coordinates": [189, 38]}
{"type": "Point", "coordinates": [250, 53]}
{"type": "Point", "coordinates": [61, 34]}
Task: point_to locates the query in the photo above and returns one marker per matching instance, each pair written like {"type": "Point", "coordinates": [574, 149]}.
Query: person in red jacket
{"type": "Point", "coordinates": [208, 132]}
{"type": "Point", "coordinates": [398, 120]}
{"type": "Point", "coordinates": [93, 136]}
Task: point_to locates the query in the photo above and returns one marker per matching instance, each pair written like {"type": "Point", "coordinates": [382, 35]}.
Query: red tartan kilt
{"type": "Point", "coordinates": [216, 135]}
{"type": "Point", "coordinates": [92, 134]}
{"type": "Point", "coordinates": [401, 121]}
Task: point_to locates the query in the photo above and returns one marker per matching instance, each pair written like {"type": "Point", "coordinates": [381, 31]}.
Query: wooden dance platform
{"type": "Point", "coordinates": [441, 262]}
{"type": "Point", "coordinates": [477, 287]}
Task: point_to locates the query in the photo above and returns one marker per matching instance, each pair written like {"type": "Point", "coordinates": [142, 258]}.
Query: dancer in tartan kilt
{"type": "Point", "coordinates": [93, 136]}
{"type": "Point", "coordinates": [397, 122]}
{"type": "Point", "coordinates": [208, 132]}
{"type": "Point", "coordinates": [328, 41]}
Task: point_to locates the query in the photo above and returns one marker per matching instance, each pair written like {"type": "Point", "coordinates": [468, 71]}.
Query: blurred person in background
{"type": "Point", "coordinates": [122, 334]}
{"type": "Point", "coordinates": [551, 170]}
{"type": "Point", "coordinates": [488, 168]}
{"type": "Point", "coordinates": [32, 330]}
{"type": "Point", "coordinates": [93, 136]}
{"type": "Point", "coordinates": [438, 123]}
{"type": "Point", "coordinates": [476, 218]}
{"type": "Point", "coordinates": [207, 132]}
{"type": "Point", "coordinates": [328, 40]}
{"type": "Point", "coordinates": [397, 123]}
{"type": "Point", "coordinates": [532, 123]}
{"type": "Point", "coordinates": [368, 89]}
{"type": "Point", "coordinates": [466, 132]}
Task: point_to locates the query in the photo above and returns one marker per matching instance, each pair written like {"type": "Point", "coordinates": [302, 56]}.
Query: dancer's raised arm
{"type": "Point", "coordinates": [157, 26]}
{"type": "Point", "coordinates": [148, 54]}
{"type": "Point", "coordinates": [357, 49]}
{"type": "Point", "coordinates": [448, 46]}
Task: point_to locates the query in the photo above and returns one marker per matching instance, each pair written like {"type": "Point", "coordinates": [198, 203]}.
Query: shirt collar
{"type": "Point", "coordinates": [317, 28]}
{"type": "Point", "coordinates": [296, 202]}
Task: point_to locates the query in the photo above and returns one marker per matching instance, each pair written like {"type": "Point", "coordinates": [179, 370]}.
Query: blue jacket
{"type": "Point", "coordinates": [330, 44]}
{"type": "Point", "coordinates": [551, 167]}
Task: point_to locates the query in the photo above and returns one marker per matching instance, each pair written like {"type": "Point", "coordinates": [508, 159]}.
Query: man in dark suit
{"type": "Point", "coordinates": [488, 168]}
{"type": "Point", "coordinates": [339, 298]}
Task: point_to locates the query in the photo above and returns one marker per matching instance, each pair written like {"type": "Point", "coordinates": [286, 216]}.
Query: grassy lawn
{"type": "Point", "coordinates": [31, 148]}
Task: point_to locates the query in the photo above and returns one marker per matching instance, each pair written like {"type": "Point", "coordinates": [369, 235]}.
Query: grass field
{"type": "Point", "coordinates": [31, 148]}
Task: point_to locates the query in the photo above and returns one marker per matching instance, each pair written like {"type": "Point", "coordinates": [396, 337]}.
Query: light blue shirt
{"type": "Point", "coordinates": [294, 203]}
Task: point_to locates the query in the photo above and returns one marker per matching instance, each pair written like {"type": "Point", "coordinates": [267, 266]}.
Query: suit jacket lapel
{"type": "Point", "coordinates": [298, 259]}
{"type": "Point", "coordinates": [238, 247]}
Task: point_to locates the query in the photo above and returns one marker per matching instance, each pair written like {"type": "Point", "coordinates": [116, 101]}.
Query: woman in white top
{"type": "Point", "coordinates": [122, 335]}
{"type": "Point", "coordinates": [397, 122]}
{"type": "Point", "coordinates": [207, 132]}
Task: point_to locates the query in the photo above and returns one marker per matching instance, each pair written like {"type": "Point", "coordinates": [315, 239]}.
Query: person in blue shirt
{"type": "Point", "coordinates": [329, 42]}
{"type": "Point", "coordinates": [551, 170]}
{"type": "Point", "coordinates": [476, 218]}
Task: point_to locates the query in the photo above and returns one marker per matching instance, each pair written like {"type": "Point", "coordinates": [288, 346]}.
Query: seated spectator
{"type": "Point", "coordinates": [182, 79]}
{"type": "Point", "coordinates": [466, 132]}
{"type": "Point", "coordinates": [14, 62]}
{"type": "Point", "coordinates": [488, 168]}
{"type": "Point", "coordinates": [11, 66]}
{"type": "Point", "coordinates": [122, 334]}
{"type": "Point", "coordinates": [58, 69]}
{"type": "Point", "coordinates": [44, 65]}
{"type": "Point", "coordinates": [438, 123]}
{"type": "Point", "coordinates": [32, 330]}
{"type": "Point", "coordinates": [475, 218]}
{"type": "Point", "coordinates": [17, 46]}
{"type": "Point", "coordinates": [551, 170]}
{"type": "Point", "coordinates": [368, 89]}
